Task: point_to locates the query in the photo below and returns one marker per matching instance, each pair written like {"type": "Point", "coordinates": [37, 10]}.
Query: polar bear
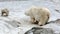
{"type": "Point", "coordinates": [40, 14]}
{"type": "Point", "coordinates": [4, 12]}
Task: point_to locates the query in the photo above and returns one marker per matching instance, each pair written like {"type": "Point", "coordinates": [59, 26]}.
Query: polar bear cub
{"type": "Point", "coordinates": [4, 12]}
{"type": "Point", "coordinates": [40, 14]}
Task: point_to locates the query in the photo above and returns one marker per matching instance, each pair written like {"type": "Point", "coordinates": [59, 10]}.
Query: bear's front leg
{"type": "Point", "coordinates": [40, 24]}
{"type": "Point", "coordinates": [43, 20]}
{"type": "Point", "coordinates": [33, 20]}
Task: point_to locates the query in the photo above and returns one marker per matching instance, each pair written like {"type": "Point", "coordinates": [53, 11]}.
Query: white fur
{"type": "Point", "coordinates": [40, 14]}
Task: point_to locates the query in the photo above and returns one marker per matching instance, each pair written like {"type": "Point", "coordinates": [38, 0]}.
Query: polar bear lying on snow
{"type": "Point", "coordinates": [40, 14]}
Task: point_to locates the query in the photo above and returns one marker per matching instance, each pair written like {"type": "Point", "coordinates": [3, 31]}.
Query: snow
{"type": "Point", "coordinates": [9, 25]}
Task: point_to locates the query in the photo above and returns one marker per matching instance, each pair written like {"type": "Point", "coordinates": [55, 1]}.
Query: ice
{"type": "Point", "coordinates": [16, 14]}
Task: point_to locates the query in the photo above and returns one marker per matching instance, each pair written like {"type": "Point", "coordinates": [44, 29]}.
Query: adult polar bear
{"type": "Point", "coordinates": [40, 14]}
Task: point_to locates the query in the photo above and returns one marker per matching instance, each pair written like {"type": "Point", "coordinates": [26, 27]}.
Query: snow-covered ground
{"type": "Point", "coordinates": [9, 25]}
